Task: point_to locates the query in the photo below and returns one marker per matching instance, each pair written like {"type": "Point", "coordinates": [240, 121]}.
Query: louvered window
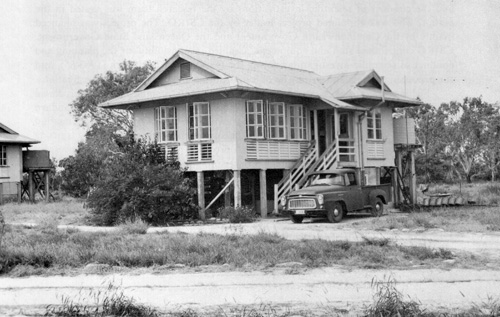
{"type": "Point", "coordinates": [199, 152]}
{"type": "Point", "coordinates": [3, 155]}
{"type": "Point", "coordinates": [185, 70]}
{"type": "Point", "coordinates": [255, 119]}
{"type": "Point", "coordinates": [172, 154]}
{"type": "Point", "coordinates": [297, 122]}
{"type": "Point", "coordinates": [166, 124]}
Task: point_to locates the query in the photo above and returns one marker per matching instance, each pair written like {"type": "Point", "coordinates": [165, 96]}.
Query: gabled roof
{"type": "Point", "coordinates": [10, 136]}
{"type": "Point", "coordinates": [360, 85]}
{"type": "Point", "coordinates": [239, 74]}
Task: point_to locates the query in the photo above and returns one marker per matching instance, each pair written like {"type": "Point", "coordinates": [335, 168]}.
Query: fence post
{"type": "Point", "coordinates": [1, 193]}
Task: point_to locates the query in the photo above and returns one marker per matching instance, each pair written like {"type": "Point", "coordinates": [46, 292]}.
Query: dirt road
{"type": "Point", "coordinates": [314, 289]}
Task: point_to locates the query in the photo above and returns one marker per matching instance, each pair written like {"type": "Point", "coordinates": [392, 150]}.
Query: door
{"type": "Point", "coordinates": [345, 125]}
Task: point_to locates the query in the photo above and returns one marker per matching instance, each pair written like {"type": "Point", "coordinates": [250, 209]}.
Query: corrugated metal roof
{"type": "Point", "coordinates": [7, 135]}
{"type": "Point", "coordinates": [373, 93]}
{"type": "Point", "coordinates": [248, 75]}
{"type": "Point", "coordinates": [16, 139]}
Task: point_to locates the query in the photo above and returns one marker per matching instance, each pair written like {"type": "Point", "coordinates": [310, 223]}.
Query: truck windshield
{"type": "Point", "coordinates": [326, 179]}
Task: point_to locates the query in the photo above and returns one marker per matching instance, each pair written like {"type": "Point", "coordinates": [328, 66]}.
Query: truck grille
{"type": "Point", "coordinates": [302, 203]}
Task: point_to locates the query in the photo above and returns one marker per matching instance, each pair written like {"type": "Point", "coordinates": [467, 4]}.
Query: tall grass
{"type": "Point", "coordinates": [481, 193]}
{"type": "Point", "coordinates": [110, 302]}
{"type": "Point", "coordinates": [67, 211]}
{"type": "Point", "coordinates": [42, 249]}
{"type": "Point", "coordinates": [458, 219]}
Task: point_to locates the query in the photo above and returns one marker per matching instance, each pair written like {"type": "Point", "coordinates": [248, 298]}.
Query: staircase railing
{"type": "Point", "coordinates": [327, 159]}
{"type": "Point", "coordinates": [297, 173]}
{"type": "Point", "coordinates": [306, 164]}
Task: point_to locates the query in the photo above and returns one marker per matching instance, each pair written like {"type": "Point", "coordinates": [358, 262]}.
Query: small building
{"type": "Point", "coordinates": [11, 162]}
{"type": "Point", "coordinates": [265, 126]}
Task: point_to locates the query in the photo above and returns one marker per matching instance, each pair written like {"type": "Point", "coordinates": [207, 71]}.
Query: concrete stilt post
{"type": "Point", "coordinates": [263, 193]}
{"type": "Point", "coordinates": [237, 188]}
{"type": "Point", "coordinates": [201, 194]}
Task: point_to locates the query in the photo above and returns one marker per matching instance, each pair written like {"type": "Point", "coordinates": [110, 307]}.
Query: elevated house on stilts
{"type": "Point", "coordinates": [265, 126]}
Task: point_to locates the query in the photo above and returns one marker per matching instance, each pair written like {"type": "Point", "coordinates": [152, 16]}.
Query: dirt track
{"type": "Point", "coordinates": [290, 287]}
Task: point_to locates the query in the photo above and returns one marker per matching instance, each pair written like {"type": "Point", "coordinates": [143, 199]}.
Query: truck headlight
{"type": "Point", "coordinates": [321, 199]}
{"type": "Point", "coordinates": [283, 201]}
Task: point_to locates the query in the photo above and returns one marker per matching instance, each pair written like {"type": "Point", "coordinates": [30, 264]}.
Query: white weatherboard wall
{"type": "Point", "coordinates": [224, 129]}
{"type": "Point", "coordinates": [386, 145]}
{"type": "Point", "coordinates": [11, 174]}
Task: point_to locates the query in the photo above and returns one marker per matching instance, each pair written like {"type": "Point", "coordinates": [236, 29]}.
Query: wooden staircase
{"type": "Point", "coordinates": [309, 162]}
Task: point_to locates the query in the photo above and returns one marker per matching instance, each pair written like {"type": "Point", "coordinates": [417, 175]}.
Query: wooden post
{"type": "Point", "coordinates": [47, 186]}
{"type": "Point", "coordinates": [19, 192]}
{"type": "Point", "coordinates": [399, 161]}
{"type": "Point", "coordinates": [316, 133]}
{"type": "Point", "coordinates": [395, 190]}
{"type": "Point", "coordinates": [413, 178]}
{"type": "Point", "coordinates": [31, 186]}
{"type": "Point", "coordinates": [227, 194]}
{"type": "Point", "coordinates": [263, 193]}
{"type": "Point", "coordinates": [237, 188]}
{"type": "Point", "coordinates": [201, 194]}
{"type": "Point", "coordinates": [1, 194]}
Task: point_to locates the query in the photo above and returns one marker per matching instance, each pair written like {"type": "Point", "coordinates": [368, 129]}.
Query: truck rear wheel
{"type": "Point", "coordinates": [297, 219]}
{"type": "Point", "coordinates": [377, 208]}
{"type": "Point", "coordinates": [336, 213]}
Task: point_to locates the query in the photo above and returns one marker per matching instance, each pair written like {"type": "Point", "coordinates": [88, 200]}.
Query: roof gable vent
{"type": "Point", "coordinates": [185, 70]}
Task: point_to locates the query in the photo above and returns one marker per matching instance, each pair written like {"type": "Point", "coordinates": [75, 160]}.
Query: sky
{"type": "Point", "coordinates": [438, 51]}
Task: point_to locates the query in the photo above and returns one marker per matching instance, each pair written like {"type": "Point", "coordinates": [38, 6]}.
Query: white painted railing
{"type": "Point", "coordinates": [297, 174]}
{"type": "Point", "coordinates": [347, 150]}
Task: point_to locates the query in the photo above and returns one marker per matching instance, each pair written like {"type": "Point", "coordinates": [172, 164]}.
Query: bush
{"type": "Point", "coordinates": [238, 214]}
{"type": "Point", "coordinates": [139, 184]}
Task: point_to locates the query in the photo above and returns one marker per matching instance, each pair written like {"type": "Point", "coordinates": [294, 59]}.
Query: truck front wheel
{"type": "Point", "coordinates": [297, 219]}
{"type": "Point", "coordinates": [336, 213]}
{"type": "Point", "coordinates": [377, 208]}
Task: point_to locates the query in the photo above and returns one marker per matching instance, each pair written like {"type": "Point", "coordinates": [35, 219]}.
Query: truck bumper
{"type": "Point", "coordinates": [311, 213]}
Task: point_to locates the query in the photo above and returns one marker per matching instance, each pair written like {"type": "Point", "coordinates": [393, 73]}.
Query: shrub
{"type": "Point", "coordinates": [139, 184]}
{"type": "Point", "coordinates": [388, 302]}
{"type": "Point", "coordinates": [238, 215]}
{"type": "Point", "coordinates": [134, 227]}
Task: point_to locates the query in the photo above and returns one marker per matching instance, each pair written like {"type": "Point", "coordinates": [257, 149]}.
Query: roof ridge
{"type": "Point", "coordinates": [344, 73]}
{"type": "Point", "coordinates": [247, 60]}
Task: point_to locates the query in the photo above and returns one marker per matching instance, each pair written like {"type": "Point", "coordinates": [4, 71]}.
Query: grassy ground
{"type": "Point", "coordinates": [68, 211]}
{"type": "Point", "coordinates": [483, 193]}
{"type": "Point", "coordinates": [456, 219]}
{"type": "Point", "coordinates": [48, 250]}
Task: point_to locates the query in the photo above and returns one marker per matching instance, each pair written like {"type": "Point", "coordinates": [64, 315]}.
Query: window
{"type": "Point", "coordinates": [297, 122]}
{"type": "Point", "coordinates": [185, 70]}
{"type": "Point", "coordinates": [276, 119]}
{"type": "Point", "coordinates": [3, 155]}
{"type": "Point", "coordinates": [166, 124]}
{"type": "Point", "coordinates": [199, 121]}
{"type": "Point", "coordinates": [255, 119]}
{"type": "Point", "coordinates": [374, 124]}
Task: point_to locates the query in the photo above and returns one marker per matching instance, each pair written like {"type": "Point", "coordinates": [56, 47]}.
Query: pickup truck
{"type": "Point", "coordinates": [333, 193]}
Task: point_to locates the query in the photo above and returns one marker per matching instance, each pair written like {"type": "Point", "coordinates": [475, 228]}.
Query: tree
{"type": "Point", "coordinates": [467, 136]}
{"type": "Point", "coordinates": [101, 88]}
{"type": "Point", "coordinates": [109, 130]}
{"type": "Point", "coordinates": [431, 161]}
{"type": "Point", "coordinates": [81, 171]}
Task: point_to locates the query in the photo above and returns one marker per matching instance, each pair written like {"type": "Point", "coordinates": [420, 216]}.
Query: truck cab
{"type": "Point", "coordinates": [333, 193]}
